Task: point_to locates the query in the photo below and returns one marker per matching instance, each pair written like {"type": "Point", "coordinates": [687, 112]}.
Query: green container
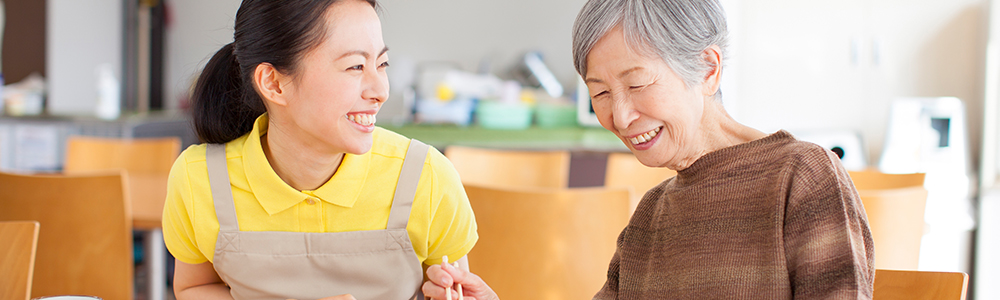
{"type": "Point", "coordinates": [549, 115]}
{"type": "Point", "coordinates": [496, 115]}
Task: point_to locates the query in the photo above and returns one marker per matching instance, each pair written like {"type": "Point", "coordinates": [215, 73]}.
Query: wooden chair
{"type": "Point", "coordinates": [875, 180]}
{"type": "Point", "coordinates": [545, 243]}
{"type": "Point", "coordinates": [147, 161]}
{"type": "Point", "coordinates": [895, 206]}
{"type": "Point", "coordinates": [85, 235]}
{"type": "Point", "coordinates": [18, 242]}
{"type": "Point", "coordinates": [919, 285]}
{"type": "Point", "coordinates": [624, 170]}
{"type": "Point", "coordinates": [510, 168]}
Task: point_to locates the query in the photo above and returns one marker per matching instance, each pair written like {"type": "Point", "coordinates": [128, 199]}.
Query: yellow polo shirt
{"type": "Point", "coordinates": [357, 197]}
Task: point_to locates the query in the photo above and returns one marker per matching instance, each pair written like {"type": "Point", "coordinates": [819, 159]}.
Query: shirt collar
{"type": "Point", "coordinates": [275, 196]}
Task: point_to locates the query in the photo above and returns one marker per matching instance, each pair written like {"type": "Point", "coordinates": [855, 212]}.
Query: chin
{"type": "Point", "coordinates": [353, 142]}
{"type": "Point", "coordinates": [360, 149]}
{"type": "Point", "coordinates": [646, 161]}
{"type": "Point", "coordinates": [650, 161]}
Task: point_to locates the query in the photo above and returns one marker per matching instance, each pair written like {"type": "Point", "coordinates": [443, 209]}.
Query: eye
{"type": "Point", "coordinates": [356, 68]}
{"type": "Point", "coordinates": [602, 93]}
{"type": "Point", "coordinates": [636, 87]}
{"type": "Point", "coordinates": [384, 64]}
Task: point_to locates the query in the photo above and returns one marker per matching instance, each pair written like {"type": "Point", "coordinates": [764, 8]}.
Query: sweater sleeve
{"type": "Point", "coordinates": [610, 289]}
{"type": "Point", "coordinates": [827, 241]}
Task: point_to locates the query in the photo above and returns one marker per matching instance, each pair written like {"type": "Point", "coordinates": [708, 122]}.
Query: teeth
{"type": "Point", "coordinates": [645, 137]}
{"type": "Point", "coordinates": [363, 119]}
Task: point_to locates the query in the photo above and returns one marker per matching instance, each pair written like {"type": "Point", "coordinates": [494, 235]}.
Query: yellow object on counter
{"type": "Point", "coordinates": [445, 93]}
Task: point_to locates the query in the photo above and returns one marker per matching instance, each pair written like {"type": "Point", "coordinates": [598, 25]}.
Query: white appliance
{"type": "Point", "coordinates": [845, 143]}
{"type": "Point", "coordinates": [928, 135]}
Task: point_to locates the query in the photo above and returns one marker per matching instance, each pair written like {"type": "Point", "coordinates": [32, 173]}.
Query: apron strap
{"type": "Point", "coordinates": [222, 193]}
{"type": "Point", "coordinates": [406, 186]}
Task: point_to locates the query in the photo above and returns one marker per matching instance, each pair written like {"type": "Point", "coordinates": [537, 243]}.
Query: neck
{"type": "Point", "coordinates": [298, 164]}
{"type": "Point", "coordinates": [718, 130]}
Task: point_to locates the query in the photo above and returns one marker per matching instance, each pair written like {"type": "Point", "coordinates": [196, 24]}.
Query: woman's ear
{"type": "Point", "coordinates": [713, 78]}
{"type": "Point", "coordinates": [270, 84]}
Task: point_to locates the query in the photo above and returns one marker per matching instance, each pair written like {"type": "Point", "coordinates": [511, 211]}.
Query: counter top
{"type": "Point", "coordinates": [533, 138]}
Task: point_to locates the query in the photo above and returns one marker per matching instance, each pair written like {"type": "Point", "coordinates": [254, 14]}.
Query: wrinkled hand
{"type": "Point", "coordinates": [444, 275]}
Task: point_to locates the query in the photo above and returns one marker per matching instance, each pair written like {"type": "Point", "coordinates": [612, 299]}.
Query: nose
{"type": "Point", "coordinates": [622, 111]}
{"type": "Point", "coordinates": [376, 85]}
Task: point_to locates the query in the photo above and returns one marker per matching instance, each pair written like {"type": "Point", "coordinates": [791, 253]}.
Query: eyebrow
{"type": "Point", "coordinates": [629, 71]}
{"type": "Point", "coordinates": [622, 74]}
{"type": "Point", "coordinates": [363, 53]}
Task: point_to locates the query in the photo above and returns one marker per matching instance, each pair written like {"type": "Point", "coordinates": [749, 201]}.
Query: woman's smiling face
{"type": "Point", "coordinates": [641, 100]}
{"type": "Point", "coordinates": [340, 85]}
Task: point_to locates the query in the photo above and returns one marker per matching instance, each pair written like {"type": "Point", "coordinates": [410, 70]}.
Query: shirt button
{"type": "Point", "coordinates": [311, 201]}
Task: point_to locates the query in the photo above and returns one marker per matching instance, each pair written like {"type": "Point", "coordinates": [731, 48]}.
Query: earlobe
{"type": "Point", "coordinates": [267, 82]}
{"type": "Point", "coordinates": [713, 77]}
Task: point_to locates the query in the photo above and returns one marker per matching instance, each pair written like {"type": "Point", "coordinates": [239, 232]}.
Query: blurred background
{"type": "Point", "coordinates": [896, 86]}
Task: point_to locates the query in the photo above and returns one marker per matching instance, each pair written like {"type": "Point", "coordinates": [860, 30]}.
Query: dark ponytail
{"type": "Point", "coordinates": [224, 100]}
{"type": "Point", "coordinates": [222, 111]}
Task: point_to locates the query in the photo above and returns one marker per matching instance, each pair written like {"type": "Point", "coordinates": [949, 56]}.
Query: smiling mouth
{"type": "Point", "coordinates": [361, 119]}
{"type": "Point", "coordinates": [645, 137]}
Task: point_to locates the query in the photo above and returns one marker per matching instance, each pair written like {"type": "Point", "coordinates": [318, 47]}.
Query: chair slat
{"type": "Point", "coordinates": [546, 243]}
{"type": "Point", "coordinates": [18, 242]}
{"type": "Point", "coordinates": [510, 168]}
{"type": "Point", "coordinates": [85, 233]}
{"type": "Point", "coordinates": [919, 285]}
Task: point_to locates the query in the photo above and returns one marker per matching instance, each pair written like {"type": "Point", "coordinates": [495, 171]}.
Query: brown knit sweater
{"type": "Point", "coordinates": [773, 218]}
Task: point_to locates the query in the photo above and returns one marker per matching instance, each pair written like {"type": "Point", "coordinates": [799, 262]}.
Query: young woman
{"type": "Point", "coordinates": [295, 193]}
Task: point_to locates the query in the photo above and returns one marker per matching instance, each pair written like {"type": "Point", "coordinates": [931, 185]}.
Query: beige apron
{"type": "Point", "coordinates": [372, 264]}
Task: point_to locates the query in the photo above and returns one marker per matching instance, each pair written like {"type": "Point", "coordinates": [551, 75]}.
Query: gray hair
{"type": "Point", "coordinates": [676, 30]}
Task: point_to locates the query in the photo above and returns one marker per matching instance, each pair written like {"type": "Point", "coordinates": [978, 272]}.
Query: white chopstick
{"type": "Point", "coordinates": [460, 296]}
{"type": "Point", "coordinates": [447, 291]}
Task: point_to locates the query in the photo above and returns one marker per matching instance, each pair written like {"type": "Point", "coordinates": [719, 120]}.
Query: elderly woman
{"type": "Point", "coordinates": [749, 214]}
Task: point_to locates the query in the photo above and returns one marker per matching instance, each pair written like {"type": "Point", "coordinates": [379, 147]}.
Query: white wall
{"type": "Point", "coordinates": [460, 32]}
{"type": "Point", "coordinates": [80, 36]}
{"type": "Point", "coordinates": [468, 32]}
{"type": "Point", "coordinates": [820, 65]}
{"type": "Point", "coordinates": [198, 30]}
{"type": "Point", "coordinates": [796, 65]}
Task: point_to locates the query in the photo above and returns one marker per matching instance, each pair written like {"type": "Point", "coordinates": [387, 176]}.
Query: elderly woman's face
{"type": "Point", "coordinates": [640, 99]}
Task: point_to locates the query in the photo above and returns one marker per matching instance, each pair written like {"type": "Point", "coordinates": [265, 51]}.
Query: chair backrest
{"type": "Point", "coordinates": [18, 241]}
{"type": "Point", "coordinates": [624, 170]}
{"type": "Point", "coordinates": [85, 235]}
{"type": "Point", "coordinates": [919, 285]}
{"type": "Point", "coordinates": [546, 243]}
{"type": "Point", "coordinates": [147, 161]}
{"type": "Point", "coordinates": [875, 180]}
{"type": "Point", "coordinates": [510, 168]}
{"type": "Point", "coordinates": [895, 205]}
